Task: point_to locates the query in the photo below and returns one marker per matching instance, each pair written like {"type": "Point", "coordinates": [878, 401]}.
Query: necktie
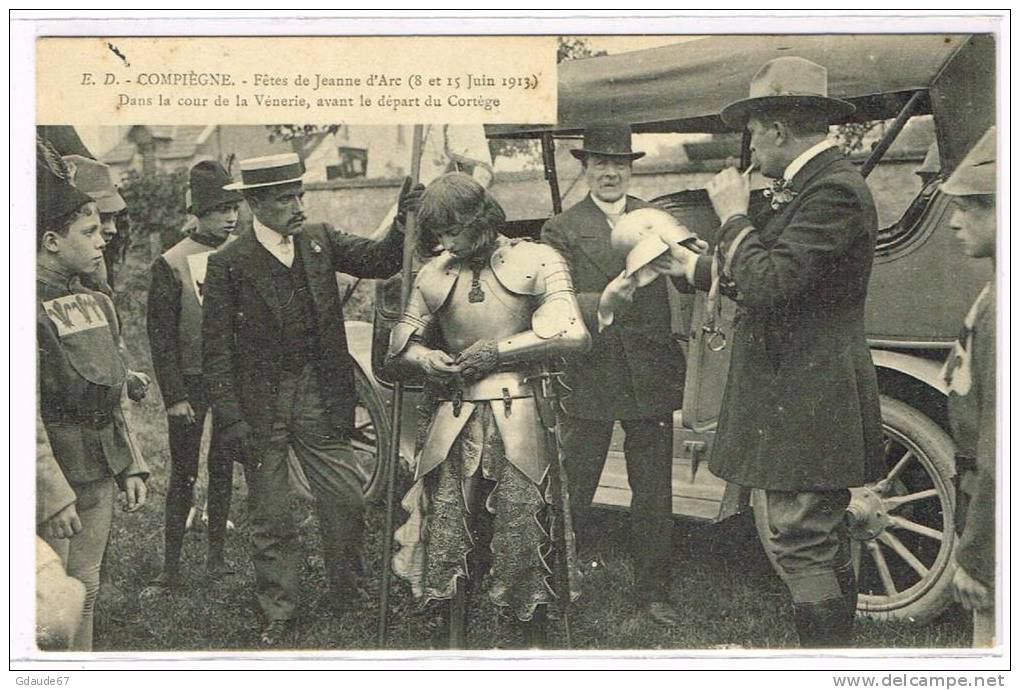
{"type": "Point", "coordinates": [286, 251]}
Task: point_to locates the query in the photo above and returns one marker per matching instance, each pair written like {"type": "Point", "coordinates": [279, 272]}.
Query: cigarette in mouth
{"type": "Point", "coordinates": [749, 170]}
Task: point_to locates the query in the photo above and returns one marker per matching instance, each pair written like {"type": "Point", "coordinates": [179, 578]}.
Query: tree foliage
{"type": "Point", "coordinates": [291, 132]}
{"type": "Point", "coordinates": [574, 48]}
{"type": "Point", "coordinates": [850, 136]}
{"type": "Point", "coordinates": [155, 202]}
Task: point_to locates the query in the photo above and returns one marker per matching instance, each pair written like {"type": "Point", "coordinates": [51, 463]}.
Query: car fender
{"type": "Point", "coordinates": [922, 369]}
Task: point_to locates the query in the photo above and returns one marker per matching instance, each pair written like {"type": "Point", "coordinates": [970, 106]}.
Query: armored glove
{"type": "Point", "coordinates": [438, 366]}
{"type": "Point", "coordinates": [478, 360]}
{"type": "Point", "coordinates": [410, 199]}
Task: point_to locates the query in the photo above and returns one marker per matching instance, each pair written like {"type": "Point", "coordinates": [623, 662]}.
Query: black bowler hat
{"type": "Point", "coordinates": [207, 181]}
{"type": "Point", "coordinates": [607, 140]}
{"type": "Point", "coordinates": [55, 195]}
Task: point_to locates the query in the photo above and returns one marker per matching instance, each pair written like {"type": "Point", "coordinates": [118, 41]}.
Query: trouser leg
{"type": "Point", "coordinates": [185, 442]}
{"type": "Point", "coordinates": [457, 616]}
{"type": "Point", "coordinates": [648, 446]}
{"type": "Point", "coordinates": [83, 554]}
{"type": "Point", "coordinates": [807, 537]}
{"type": "Point", "coordinates": [585, 445]}
{"type": "Point", "coordinates": [984, 628]}
{"type": "Point", "coordinates": [274, 535]}
{"type": "Point", "coordinates": [536, 631]}
{"type": "Point", "coordinates": [329, 465]}
{"type": "Point", "coordinates": [221, 485]}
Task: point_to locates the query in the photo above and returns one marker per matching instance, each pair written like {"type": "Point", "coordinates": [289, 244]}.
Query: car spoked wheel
{"type": "Point", "coordinates": [902, 525]}
{"type": "Point", "coordinates": [371, 436]}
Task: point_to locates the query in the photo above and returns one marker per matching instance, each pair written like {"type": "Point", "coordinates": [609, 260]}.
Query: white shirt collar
{"type": "Point", "coordinates": [616, 208]}
{"type": "Point", "coordinates": [800, 161]}
{"type": "Point", "coordinates": [271, 240]}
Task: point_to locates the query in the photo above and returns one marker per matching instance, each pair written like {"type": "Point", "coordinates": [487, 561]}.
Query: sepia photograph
{"type": "Point", "coordinates": [681, 342]}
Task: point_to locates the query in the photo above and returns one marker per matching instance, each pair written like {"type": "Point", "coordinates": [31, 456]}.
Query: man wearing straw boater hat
{"type": "Point", "coordinates": [634, 371]}
{"type": "Point", "coordinates": [279, 374]}
{"type": "Point", "coordinates": [800, 420]}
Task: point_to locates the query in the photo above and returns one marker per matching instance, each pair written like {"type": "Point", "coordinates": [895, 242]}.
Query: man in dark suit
{"type": "Point", "coordinates": [280, 376]}
{"type": "Point", "coordinates": [634, 371]}
{"type": "Point", "coordinates": [800, 420]}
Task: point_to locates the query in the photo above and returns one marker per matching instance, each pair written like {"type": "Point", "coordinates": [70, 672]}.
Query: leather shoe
{"type": "Point", "coordinates": [277, 633]}
{"type": "Point", "coordinates": [663, 613]}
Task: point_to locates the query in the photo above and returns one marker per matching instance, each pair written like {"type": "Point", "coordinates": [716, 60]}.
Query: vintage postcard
{"type": "Point", "coordinates": [662, 338]}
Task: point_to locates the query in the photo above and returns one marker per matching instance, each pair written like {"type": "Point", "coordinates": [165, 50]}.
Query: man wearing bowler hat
{"type": "Point", "coordinates": [174, 322]}
{"type": "Point", "coordinates": [800, 420]}
{"type": "Point", "coordinates": [279, 374]}
{"type": "Point", "coordinates": [634, 371]}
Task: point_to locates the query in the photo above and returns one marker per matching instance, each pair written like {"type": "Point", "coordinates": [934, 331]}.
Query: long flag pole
{"type": "Point", "coordinates": [393, 457]}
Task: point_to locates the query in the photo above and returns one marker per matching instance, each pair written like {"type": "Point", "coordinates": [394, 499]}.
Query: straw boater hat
{"type": "Point", "coordinates": [267, 171]}
{"type": "Point", "coordinates": [607, 140]}
{"type": "Point", "coordinates": [976, 172]}
{"type": "Point", "coordinates": [96, 180]}
{"type": "Point", "coordinates": [792, 83]}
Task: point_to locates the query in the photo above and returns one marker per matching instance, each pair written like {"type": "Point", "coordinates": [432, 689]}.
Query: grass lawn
{"type": "Point", "coordinates": [723, 583]}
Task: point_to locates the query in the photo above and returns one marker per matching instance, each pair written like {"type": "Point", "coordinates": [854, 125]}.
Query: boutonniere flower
{"type": "Point", "coordinates": [780, 194]}
{"type": "Point", "coordinates": [316, 248]}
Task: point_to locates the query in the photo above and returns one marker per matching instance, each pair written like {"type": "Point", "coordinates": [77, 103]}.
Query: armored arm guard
{"type": "Point", "coordinates": [557, 327]}
{"type": "Point", "coordinates": [406, 349]}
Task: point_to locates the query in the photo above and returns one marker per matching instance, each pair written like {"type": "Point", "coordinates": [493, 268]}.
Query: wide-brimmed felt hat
{"type": "Point", "coordinates": [976, 172]}
{"type": "Point", "coordinates": [792, 83]}
{"type": "Point", "coordinates": [208, 183]}
{"type": "Point", "coordinates": [96, 179]}
{"type": "Point", "coordinates": [607, 140]}
{"type": "Point", "coordinates": [266, 171]}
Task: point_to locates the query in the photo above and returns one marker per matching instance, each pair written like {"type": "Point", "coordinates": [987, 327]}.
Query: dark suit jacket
{"type": "Point", "coordinates": [800, 410]}
{"type": "Point", "coordinates": [242, 353]}
{"type": "Point", "coordinates": [635, 368]}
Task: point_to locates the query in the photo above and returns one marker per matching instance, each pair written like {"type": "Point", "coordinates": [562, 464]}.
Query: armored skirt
{"type": "Point", "coordinates": [483, 474]}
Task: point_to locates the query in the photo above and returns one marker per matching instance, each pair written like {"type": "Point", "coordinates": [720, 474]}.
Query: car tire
{"type": "Point", "coordinates": [902, 527]}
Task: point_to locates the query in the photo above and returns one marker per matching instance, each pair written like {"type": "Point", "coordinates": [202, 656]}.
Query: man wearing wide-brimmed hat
{"type": "Point", "coordinates": [970, 376]}
{"type": "Point", "coordinates": [800, 420]}
{"type": "Point", "coordinates": [279, 373]}
{"type": "Point", "coordinates": [174, 324]}
{"type": "Point", "coordinates": [96, 179]}
{"type": "Point", "coordinates": [634, 371]}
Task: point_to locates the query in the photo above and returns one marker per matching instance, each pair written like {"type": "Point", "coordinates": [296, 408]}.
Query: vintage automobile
{"type": "Point", "coordinates": [920, 288]}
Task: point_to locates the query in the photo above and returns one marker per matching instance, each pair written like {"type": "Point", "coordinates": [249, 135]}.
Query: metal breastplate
{"type": "Point", "coordinates": [498, 314]}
